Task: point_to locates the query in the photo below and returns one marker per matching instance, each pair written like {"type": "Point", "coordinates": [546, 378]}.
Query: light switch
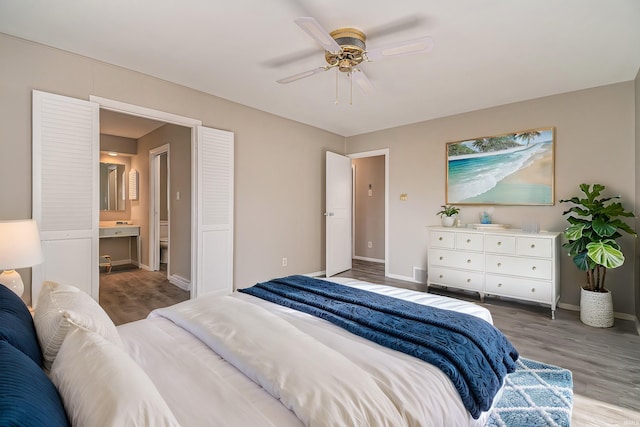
{"type": "Point", "coordinates": [177, 195]}
{"type": "Point", "coordinates": [404, 197]}
{"type": "Point", "coordinates": [370, 192]}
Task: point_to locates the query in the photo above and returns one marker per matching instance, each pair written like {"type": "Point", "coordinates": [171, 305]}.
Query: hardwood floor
{"type": "Point", "coordinates": [605, 362]}
{"type": "Point", "coordinates": [128, 294]}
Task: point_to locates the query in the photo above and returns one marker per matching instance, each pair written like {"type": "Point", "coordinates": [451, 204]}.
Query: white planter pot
{"type": "Point", "coordinates": [596, 308]}
{"type": "Point", "coordinates": [448, 221]}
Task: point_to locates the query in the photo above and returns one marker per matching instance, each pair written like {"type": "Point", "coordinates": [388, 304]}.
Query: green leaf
{"type": "Point", "coordinates": [605, 254]}
{"type": "Point", "coordinates": [603, 228]}
{"type": "Point", "coordinates": [574, 232]}
{"type": "Point", "coordinates": [581, 261]}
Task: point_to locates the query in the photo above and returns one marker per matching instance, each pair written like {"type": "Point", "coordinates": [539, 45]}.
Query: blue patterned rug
{"type": "Point", "coordinates": [536, 394]}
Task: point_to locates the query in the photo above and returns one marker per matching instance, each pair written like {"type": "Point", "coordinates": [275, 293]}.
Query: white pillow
{"type": "Point", "coordinates": [57, 305]}
{"type": "Point", "coordinates": [101, 385]}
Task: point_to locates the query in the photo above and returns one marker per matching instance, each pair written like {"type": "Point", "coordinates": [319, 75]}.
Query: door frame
{"type": "Point", "coordinates": [149, 113]}
{"type": "Point", "coordinates": [373, 153]}
{"type": "Point", "coordinates": [154, 204]}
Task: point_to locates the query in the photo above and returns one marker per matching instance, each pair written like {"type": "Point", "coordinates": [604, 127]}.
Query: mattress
{"type": "Point", "coordinates": [201, 388]}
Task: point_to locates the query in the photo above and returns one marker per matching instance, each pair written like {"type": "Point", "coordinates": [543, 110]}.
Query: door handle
{"type": "Point", "coordinates": [328, 214]}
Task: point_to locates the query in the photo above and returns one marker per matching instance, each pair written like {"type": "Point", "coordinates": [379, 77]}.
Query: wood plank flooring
{"type": "Point", "coordinates": [605, 362]}
{"type": "Point", "coordinates": [128, 294]}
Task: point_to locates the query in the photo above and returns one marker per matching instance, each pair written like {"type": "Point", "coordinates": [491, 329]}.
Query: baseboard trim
{"type": "Point", "coordinates": [616, 315]}
{"type": "Point", "coordinates": [362, 258]}
{"type": "Point", "coordinates": [322, 273]}
{"type": "Point", "coordinates": [181, 282]}
{"type": "Point", "coordinates": [405, 278]}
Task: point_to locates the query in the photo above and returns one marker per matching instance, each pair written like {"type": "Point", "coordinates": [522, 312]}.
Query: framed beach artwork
{"type": "Point", "coordinates": [510, 169]}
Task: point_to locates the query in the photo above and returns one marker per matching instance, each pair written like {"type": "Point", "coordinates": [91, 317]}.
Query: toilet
{"type": "Point", "coordinates": [164, 242]}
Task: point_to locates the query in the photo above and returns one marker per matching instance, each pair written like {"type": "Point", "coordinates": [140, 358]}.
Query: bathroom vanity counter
{"type": "Point", "coordinates": [115, 230]}
{"type": "Point", "coordinates": [119, 230]}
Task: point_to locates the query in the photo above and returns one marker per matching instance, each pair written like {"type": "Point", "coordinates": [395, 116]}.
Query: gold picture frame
{"type": "Point", "coordinates": [514, 168]}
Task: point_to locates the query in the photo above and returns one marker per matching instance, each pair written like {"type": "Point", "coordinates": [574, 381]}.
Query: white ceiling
{"type": "Point", "coordinates": [487, 52]}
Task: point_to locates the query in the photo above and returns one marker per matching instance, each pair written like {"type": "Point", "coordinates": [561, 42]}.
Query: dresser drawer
{"type": "Point", "coordinates": [442, 239]}
{"type": "Point", "coordinates": [470, 241]}
{"type": "Point", "coordinates": [515, 287]}
{"type": "Point", "coordinates": [500, 244]}
{"type": "Point", "coordinates": [524, 267]}
{"type": "Point", "coordinates": [463, 260]}
{"type": "Point", "coordinates": [456, 278]}
{"type": "Point", "coordinates": [534, 246]}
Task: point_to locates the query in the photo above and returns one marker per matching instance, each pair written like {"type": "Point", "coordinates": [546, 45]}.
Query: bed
{"type": "Point", "coordinates": [239, 360]}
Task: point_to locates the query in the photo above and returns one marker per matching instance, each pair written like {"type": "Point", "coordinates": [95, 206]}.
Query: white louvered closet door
{"type": "Point", "coordinates": [65, 191]}
{"type": "Point", "coordinates": [214, 233]}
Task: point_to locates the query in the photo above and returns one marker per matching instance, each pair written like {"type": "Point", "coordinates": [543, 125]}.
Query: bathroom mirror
{"type": "Point", "coordinates": [112, 187]}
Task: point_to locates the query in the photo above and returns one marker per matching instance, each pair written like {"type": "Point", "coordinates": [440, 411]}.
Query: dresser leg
{"type": "Point", "coordinates": [481, 296]}
{"type": "Point", "coordinates": [553, 314]}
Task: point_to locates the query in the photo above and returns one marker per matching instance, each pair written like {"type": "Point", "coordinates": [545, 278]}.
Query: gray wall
{"type": "Point", "coordinates": [595, 142]}
{"type": "Point", "coordinates": [279, 164]}
{"type": "Point", "coordinates": [369, 210]}
{"type": "Point", "coordinates": [179, 140]}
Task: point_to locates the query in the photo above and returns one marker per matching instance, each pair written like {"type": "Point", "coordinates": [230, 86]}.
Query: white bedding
{"type": "Point", "coordinates": [203, 389]}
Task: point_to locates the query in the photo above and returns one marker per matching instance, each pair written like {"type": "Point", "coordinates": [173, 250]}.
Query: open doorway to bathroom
{"type": "Point", "coordinates": [138, 281]}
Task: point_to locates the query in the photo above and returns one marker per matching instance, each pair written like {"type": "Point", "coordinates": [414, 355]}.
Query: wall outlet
{"type": "Point", "coordinates": [370, 245]}
{"type": "Point", "coordinates": [284, 261]}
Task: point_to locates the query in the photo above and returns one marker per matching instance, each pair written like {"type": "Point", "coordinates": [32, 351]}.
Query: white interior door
{"type": "Point", "coordinates": [338, 214]}
{"type": "Point", "coordinates": [66, 191]}
{"type": "Point", "coordinates": [214, 223]}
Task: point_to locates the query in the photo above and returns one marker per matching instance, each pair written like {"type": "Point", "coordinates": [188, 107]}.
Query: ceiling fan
{"type": "Point", "coordinates": [345, 49]}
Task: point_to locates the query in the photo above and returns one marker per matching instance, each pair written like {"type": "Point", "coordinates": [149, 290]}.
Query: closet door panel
{"type": "Point", "coordinates": [65, 190]}
{"type": "Point", "coordinates": [215, 152]}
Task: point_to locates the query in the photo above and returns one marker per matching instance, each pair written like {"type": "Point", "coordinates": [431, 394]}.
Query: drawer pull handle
{"type": "Point", "coordinates": [441, 258]}
{"type": "Point", "coordinates": [468, 261]}
{"type": "Point", "coordinates": [533, 245]}
{"type": "Point", "coordinates": [441, 276]}
{"type": "Point", "coordinates": [468, 280]}
{"type": "Point", "coordinates": [533, 268]}
{"type": "Point", "coordinates": [499, 243]}
{"type": "Point", "coordinates": [499, 264]}
{"type": "Point", "coordinates": [440, 238]}
{"type": "Point", "coordinates": [468, 240]}
{"type": "Point", "coordinates": [533, 289]}
{"type": "Point", "coordinates": [499, 285]}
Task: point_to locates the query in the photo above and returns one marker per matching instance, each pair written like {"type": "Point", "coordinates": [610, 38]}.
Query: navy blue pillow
{"type": "Point", "coordinates": [27, 395]}
{"type": "Point", "coordinates": [16, 325]}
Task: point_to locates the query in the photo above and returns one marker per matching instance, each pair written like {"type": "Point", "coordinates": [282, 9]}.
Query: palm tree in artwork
{"type": "Point", "coordinates": [528, 136]}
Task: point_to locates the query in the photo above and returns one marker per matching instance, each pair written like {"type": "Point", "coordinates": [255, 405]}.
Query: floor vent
{"type": "Point", "coordinates": [419, 275]}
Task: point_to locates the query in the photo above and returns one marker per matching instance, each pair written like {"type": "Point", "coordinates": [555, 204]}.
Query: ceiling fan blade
{"type": "Point", "coordinates": [362, 81]}
{"type": "Point", "coordinates": [302, 75]}
{"type": "Point", "coordinates": [314, 29]}
{"type": "Point", "coordinates": [395, 26]}
{"type": "Point", "coordinates": [408, 47]}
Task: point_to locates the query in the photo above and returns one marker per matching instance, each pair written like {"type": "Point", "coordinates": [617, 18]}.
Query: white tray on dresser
{"type": "Point", "coordinates": [496, 261]}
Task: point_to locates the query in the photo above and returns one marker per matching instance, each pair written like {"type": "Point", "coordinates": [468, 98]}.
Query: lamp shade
{"type": "Point", "coordinates": [20, 245]}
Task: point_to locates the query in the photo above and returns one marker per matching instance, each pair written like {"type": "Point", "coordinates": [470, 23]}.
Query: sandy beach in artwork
{"type": "Point", "coordinates": [539, 172]}
{"type": "Point", "coordinates": [531, 184]}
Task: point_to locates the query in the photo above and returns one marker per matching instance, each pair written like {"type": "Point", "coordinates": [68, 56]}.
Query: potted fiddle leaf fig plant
{"type": "Point", "coordinates": [595, 225]}
{"type": "Point", "coordinates": [448, 215]}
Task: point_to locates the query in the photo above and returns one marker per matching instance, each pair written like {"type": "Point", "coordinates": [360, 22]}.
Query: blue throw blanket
{"type": "Point", "coordinates": [471, 352]}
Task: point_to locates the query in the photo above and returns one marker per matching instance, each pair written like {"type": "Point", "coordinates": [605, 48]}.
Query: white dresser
{"type": "Point", "coordinates": [507, 263]}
